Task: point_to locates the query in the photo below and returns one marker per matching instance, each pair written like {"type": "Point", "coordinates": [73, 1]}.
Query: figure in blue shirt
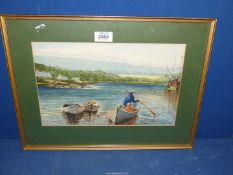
{"type": "Point", "coordinates": [129, 98]}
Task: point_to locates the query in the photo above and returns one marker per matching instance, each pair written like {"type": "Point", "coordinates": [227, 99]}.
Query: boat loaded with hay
{"type": "Point", "coordinates": [122, 115]}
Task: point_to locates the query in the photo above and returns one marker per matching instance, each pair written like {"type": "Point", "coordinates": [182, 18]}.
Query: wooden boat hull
{"type": "Point", "coordinates": [74, 109]}
{"type": "Point", "coordinates": [122, 115]}
{"type": "Point", "coordinates": [91, 108]}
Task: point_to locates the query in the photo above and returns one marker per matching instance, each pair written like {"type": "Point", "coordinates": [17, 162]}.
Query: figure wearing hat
{"type": "Point", "coordinates": [129, 98]}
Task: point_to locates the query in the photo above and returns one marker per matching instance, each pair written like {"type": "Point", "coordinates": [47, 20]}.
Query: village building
{"type": "Point", "coordinates": [77, 79]}
{"type": "Point", "coordinates": [43, 74]}
{"type": "Point", "coordinates": [60, 77]}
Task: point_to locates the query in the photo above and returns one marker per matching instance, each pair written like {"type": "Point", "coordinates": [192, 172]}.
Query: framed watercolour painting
{"type": "Point", "coordinates": [107, 82]}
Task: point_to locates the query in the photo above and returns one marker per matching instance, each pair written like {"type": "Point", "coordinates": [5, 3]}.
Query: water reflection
{"type": "Point", "coordinates": [131, 121]}
{"type": "Point", "coordinates": [71, 118]}
{"type": "Point", "coordinates": [88, 117]}
{"type": "Point", "coordinates": [75, 119]}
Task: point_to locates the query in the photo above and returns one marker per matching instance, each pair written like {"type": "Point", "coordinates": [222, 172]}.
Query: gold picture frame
{"type": "Point", "coordinates": [105, 145]}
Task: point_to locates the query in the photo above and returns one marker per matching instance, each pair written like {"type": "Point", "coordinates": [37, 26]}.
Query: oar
{"type": "Point", "coordinates": [152, 112]}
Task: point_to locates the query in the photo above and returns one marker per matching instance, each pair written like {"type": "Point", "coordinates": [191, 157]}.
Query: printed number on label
{"type": "Point", "coordinates": [103, 36]}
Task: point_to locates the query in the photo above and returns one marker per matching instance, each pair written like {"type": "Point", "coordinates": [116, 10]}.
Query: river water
{"type": "Point", "coordinates": [109, 96]}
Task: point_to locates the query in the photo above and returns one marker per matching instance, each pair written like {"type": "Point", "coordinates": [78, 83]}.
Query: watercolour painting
{"type": "Point", "coordinates": [107, 84]}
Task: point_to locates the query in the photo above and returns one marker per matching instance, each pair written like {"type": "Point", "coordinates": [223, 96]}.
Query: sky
{"type": "Point", "coordinates": [106, 55]}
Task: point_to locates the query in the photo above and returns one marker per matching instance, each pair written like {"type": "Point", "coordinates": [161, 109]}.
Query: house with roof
{"type": "Point", "coordinates": [76, 79]}
{"type": "Point", "coordinates": [43, 74]}
{"type": "Point", "coordinates": [61, 77]}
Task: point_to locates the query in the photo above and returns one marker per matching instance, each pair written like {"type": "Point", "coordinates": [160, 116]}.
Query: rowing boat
{"type": "Point", "coordinates": [73, 109]}
{"type": "Point", "coordinates": [91, 106]}
{"type": "Point", "coordinates": [122, 115]}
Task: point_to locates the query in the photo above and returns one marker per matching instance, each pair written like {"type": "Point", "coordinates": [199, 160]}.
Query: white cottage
{"type": "Point", "coordinates": [43, 74]}
{"type": "Point", "coordinates": [60, 77]}
{"type": "Point", "coordinates": [77, 79]}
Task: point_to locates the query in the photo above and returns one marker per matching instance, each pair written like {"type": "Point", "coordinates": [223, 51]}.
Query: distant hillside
{"type": "Point", "coordinates": [93, 76]}
{"type": "Point", "coordinates": [111, 67]}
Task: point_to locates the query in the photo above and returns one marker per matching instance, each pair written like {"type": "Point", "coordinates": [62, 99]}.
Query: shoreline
{"type": "Point", "coordinates": [65, 85]}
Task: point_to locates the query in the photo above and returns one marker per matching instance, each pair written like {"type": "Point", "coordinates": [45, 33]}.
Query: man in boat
{"type": "Point", "coordinates": [129, 98]}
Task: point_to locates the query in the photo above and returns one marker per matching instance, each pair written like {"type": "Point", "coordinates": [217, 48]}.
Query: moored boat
{"type": "Point", "coordinates": [91, 106]}
{"type": "Point", "coordinates": [122, 115]}
{"type": "Point", "coordinates": [73, 108]}
{"type": "Point", "coordinates": [173, 87]}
